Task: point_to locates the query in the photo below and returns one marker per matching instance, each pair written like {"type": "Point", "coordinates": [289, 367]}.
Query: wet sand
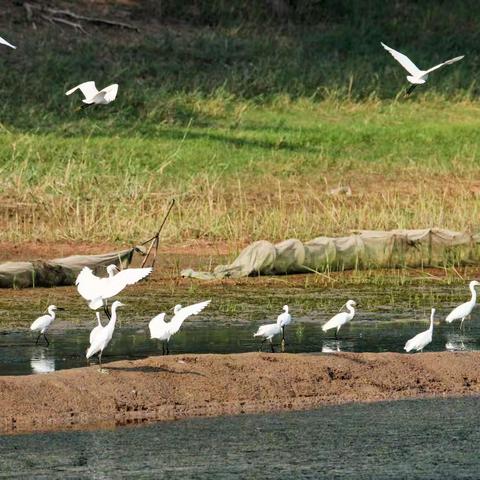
{"type": "Point", "coordinates": [181, 386]}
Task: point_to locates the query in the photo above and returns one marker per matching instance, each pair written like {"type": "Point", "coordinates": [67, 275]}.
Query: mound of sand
{"type": "Point", "coordinates": [167, 388]}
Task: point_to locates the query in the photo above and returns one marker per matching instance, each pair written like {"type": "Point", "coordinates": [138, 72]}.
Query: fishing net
{"type": "Point", "coordinates": [362, 250]}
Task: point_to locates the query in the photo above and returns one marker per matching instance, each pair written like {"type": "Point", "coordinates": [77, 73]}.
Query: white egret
{"type": "Point", "coordinates": [417, 76]}
{"type": "Point", "coordinates": [94, 96]}
{"type": "Point", "coordinates": [161, 330]}
{"type": "Point", "coordinates": [283, 320]}
{"type": "Point", "coordinates": [420, 341]}
{"type": "Point", "coordinates": [98, 290]}
{"type": "Point", "coordinates": [341, 318]}
{"type": "Point", "coordinates": [96, 330]}
{"type": "Point", "coordinates": [41, 363]}
{"type": "Point", "coordinates": [42, 323]}
{"type": "Point", "coordinates": [268, 332]}
{"type": "Point", "coordinates": [4, 42]}
{"type": "Point", "coordinates": [103, 337]}
{"type": "Point", "coordinates": [465, 309]}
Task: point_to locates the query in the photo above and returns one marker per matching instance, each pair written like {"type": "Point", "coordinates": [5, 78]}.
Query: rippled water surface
{"type": "Point", "coordinates": [414, 439]}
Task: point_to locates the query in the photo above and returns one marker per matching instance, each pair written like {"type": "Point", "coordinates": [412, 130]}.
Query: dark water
{"type": "Point", "coordinates": [414, 439]}
{"type": "Point", "coordinates": [20, 355]}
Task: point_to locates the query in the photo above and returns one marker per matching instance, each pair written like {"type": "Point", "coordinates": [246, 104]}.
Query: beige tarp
{"type": "Point", "coordinates": [59, 271]}
{"type": "Point", "coordinates": [362, 249]}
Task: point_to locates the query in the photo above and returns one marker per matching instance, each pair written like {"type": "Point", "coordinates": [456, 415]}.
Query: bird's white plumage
{"type": "Point", "coordinates": [96, 331]}
{"type": "Point", "coordinates": [95, 290]}
{"type": "Point", "coordinates": [341, 318]}
{"type": "Point", "coordinates": [42, 323]}
{"type": "Point", "coordinates": [103, 337]}
{"type": "Point", "coordinates": [4, 42]}
{"type": "Point", "coordinates": [420, 341]}
{"type": "Point", "coordinates": [465, 309]}
{"type": "Point", "coordinates": [417, 76]}
{"type": "Point", "coordinates": [94, 96]}
{"type": "Point", "coordinates": [162, 330]}
{"type": "Point", "coordinates": [284, 318]}
{"type": "Point", "coordinates": [268, 331]}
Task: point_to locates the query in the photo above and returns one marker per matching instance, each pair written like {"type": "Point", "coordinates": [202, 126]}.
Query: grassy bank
{"type": "Point", "coordinates": [247, 127]}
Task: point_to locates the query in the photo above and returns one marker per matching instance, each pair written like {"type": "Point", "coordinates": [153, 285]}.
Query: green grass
{"type": "Point", "coordinates": [247, 127]}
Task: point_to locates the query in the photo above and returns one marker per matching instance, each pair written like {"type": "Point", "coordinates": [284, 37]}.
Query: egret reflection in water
{"type": "Point", "coordinates": [40, 363]}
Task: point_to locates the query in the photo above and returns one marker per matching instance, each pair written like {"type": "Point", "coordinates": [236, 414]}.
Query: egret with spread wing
{"type": "Point", "coordinates": [162, 330]}
{"type": "Point", "coordinates": [4, 42]}
{"type": "Point", "coordinates": [94, 96]}
{"type": "Point", "coordinates": [417, 76]}
{"type": "Point", "coordinates": [98, 290]}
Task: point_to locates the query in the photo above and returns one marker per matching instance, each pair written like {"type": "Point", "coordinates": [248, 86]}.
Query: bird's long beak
{"type": "Point", "coordinates": [60, 308]}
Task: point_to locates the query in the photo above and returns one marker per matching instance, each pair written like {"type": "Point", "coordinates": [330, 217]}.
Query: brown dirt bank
{"type": "Point", "coordinates": [166, 388]}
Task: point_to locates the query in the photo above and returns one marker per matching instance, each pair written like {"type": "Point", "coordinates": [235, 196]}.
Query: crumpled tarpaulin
{"type": "Point", "coordinates": [362, 250]}
{"type": "Point", "coordinates": [60, 271]}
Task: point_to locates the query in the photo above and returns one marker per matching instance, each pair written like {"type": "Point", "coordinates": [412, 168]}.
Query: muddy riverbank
{"type": "Point", "coordinates": [182, 386]}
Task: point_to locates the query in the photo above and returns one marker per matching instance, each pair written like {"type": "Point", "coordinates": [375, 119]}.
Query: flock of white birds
{"type": "Point", "coordinates": [97, 290]}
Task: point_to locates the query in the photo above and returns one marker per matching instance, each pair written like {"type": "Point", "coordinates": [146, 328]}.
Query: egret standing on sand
{"type": "Point", "coordinates": [420, 341]}
{"type": "Point", "coordinates": [341, 318]}
{"type": "Point", "coordinates": [4, 42]}
{"type": "Point", "coordinates": [162, 330]}
{"type": "Point", "coordinates": [42, 323]}
{"type": "Point", "coordinates": [417, 76]}
{"type": "Point", "coordinates": [465, 309]}
{"type": "Point", "coordinates": [94, 96]}
{"type": "Point", "coordinates": [283, 320]}
{"type": "Point", "coordinates": [98, 290]}
{"type": "Point", "coordinates": [103, 337]}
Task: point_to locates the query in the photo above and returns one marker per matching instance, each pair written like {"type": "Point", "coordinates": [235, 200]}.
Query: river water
{"type": "Point", "coordinates": [414, 439]}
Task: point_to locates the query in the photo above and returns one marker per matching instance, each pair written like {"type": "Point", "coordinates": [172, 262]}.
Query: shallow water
{"type": "Point", "coordinates": [415, 439]}
{"type": "Point", "coordinates": [20, 356]}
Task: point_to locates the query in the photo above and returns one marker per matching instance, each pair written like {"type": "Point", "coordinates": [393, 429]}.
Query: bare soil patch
{"type": "Point", "coordinates": [168, 388]}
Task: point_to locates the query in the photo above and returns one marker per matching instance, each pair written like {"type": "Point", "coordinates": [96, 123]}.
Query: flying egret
{"type": "Point", "coordinates": [162, 330]}
{"type": "Point", "coordinates": [94, 96]}
{"type": "Point", "coordinates": [341, 318]}
{"type": "Point", "coordinates": [42, 323]}
{"type": "Point", "coordinates": [465, 309]}
{"type": "Point", "coordinates": [98, 290]}
{"type": "Point", "coordinates": [103, 337]}
{"type": "Point", "coordinates": [420, 341]}
{"type": "Point", "coordinates": [283, 320]}
{"type": "Point", "coordinates": [417, 76]}
{"type": "Point", "coordinates": [96, 330]}
{"type": "Point", "coordinates": [4, 42]}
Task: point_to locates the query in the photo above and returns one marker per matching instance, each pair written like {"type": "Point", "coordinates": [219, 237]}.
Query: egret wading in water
{"type": "Point", "coordinates": [94, 96]}
{"type": "Point", "coordinates": [4, 42]}
{"type": "Point", "coordinates": [161, 330]}
{"type": "Point", "coordinates": [98, 290]}
{"type": "Point", "coordinates": [417, 76]}
{"type": "Point", "coordinates": [103, 337]}
{"type": "Point", "coordinates": [465, 309]}
{"type": "Point", "coordinates": [268, 332]}
{"type": "Point", "coordinates": [420, 341]}
{"type": "Point", "coordinates": [283, 320]}
{"type": "Point", "coordinates": [341, 318]}
{"type": "Point", "coordinates": [41, 324]}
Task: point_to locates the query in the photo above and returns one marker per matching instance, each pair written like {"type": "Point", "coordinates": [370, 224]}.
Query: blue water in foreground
{"type": "Point", "coordinates": [414, 439]}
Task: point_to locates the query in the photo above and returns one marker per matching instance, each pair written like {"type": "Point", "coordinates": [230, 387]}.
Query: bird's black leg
{"type": "Point", "coordinates": [106, 310]}
{"type": "Point", "coordinates": [46, 339]}
{"type": "Point", "coordinates": [283, 339]}
{"type": "Point", "coordinates": [38, 338]}
{"type": "Point", "coordinates": [271, 346]}
{"type": "Point", "coordinates": [411, 88]}
{"type": "Point", "coordinates": [168, 350]}
{"type": "Point", "coordinates": [336, 334]}
{"type": "Point", "coordinates": [163, 348]}
{"type": "Point", "coordinates": [261, 345]}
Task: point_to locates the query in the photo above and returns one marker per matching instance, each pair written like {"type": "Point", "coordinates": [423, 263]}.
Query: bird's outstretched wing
{"type": "Point", "coordinates": [404, 61]}
{"type": "Point", "coordinates": [8, 44]}
{"type": "Point", "coordinates": [88, 89]}
{"type": "Point", "coordinates": [88, 284]}
{"type": "Point", "coordinates": [110, 92]}
{"type": "Point", "coordinates": [156, 325]}
{"type": "Point", "coordinates": [118, 282]}
{"type": "Point", "coordinates": [185, 312]}
{"type": "Point", "coordinates": [448, 62]}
